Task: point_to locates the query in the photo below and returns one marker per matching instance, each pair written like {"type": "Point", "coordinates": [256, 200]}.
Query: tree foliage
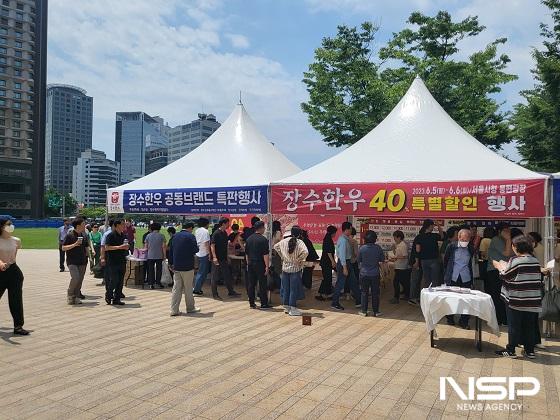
{"type": "Point", "coordinates": [93, 212]}
{"type": "Point", "coordinates": [53, 204]}
{"type": "Point", "coordinates": [351, 89]}
{"type": "Point", "coordinates": [347, 95]}
{"type": "Point", "coordinates": [537, 123]}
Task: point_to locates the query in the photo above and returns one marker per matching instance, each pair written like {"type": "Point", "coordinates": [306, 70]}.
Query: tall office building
{"type": "Point", "coordinates": [184, 139]}
{"type": "Point", "coordinates": [23, 65]}
{"type": "Point", "coordinates": [92, 175]}
{"type": "Point", "coordinates": [140, 144]}
{"type": "Point", "coordinates": [68, 133]}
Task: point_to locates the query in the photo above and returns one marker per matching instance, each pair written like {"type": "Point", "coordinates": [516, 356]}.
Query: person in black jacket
{"type": "Point", "coordinates": [181, 261]}
{"type": "Point", "coordinates": [328, 264]}
{"type": "Point", "coordinates": [312, 257]}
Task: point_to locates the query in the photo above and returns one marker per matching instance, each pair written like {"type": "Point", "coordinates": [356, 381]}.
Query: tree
{"type": "Point", "coordinates": [93, 212]}
{"type": "Point", "coordinates": [350, 93]}
{"type": "Point", "coordinates": [537, 123]}
{"type": "Point", "coordinates": [53, 203]}
{"type": "Point", "coordinates": [462, 87]}
{"type": "Point", "coordinates": [347, 96]}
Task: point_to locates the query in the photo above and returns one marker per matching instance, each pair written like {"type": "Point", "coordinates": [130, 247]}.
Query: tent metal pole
{"type": "Point", "coordinates": [549, 243]}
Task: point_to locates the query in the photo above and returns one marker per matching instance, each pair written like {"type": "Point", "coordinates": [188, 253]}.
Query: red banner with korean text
{"type": "Point", "coordinates": [476, 199]}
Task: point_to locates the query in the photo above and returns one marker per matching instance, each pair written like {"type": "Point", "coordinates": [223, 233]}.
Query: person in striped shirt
{"type": "Point", "coordinates": [293, 252]}
{"type": "Point", "coordinates": [521, 292]}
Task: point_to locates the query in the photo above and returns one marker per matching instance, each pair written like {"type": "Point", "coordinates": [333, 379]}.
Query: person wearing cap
{"type": "Point", "coordinates": [293, 252]}
{"type": "Point", "coordinates": [182, 250]}
{"type": "Point", "coordinates": [258, 262]}
{"type": "Point", "coordinates": [249, 231]}
{"type": "Point", "coordinates": [499, 250]}
{"type": "Point", "coordinates": [427, 252]}
{"type": "Point", "coordinates": [219, 247]}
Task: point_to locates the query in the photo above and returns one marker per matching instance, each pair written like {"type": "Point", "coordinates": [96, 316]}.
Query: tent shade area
{"type": "Point", "coordinates": [417, 162]}
{"type": "Point", "coordinates": [229, 173]}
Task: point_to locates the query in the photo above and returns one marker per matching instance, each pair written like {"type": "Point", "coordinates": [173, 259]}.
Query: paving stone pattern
{"type": "Point", "coordinates": [230, 362]}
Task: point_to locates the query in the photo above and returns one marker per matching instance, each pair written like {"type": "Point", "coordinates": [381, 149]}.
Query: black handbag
{"type": "Point", "coordinates": [551, 304]}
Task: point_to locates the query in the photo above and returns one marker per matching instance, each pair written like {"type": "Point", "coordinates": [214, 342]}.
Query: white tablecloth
{"type": "Point", "coordinates": [436, 304]}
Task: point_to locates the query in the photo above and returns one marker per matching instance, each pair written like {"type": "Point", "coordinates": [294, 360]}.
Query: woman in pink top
{"type": "Point", "coordinates": [11, 277]}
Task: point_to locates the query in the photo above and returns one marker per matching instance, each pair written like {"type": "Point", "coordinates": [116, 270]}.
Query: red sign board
{"type": "Point", "coordinates": [476, 199]}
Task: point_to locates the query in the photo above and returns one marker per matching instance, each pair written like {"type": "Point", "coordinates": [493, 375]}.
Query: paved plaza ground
{"type": "Point", "coordinates": [99, 361]}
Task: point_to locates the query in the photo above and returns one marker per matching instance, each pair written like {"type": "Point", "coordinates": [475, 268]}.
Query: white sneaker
{"type": "Point", "coordinates": [295, 312]}
{"type": "Point", "coordinates": [195, 310]}
{"type": "Point", "coordinates": [287, 309]}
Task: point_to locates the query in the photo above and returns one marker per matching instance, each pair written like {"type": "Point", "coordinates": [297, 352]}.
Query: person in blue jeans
{"type": "Point", "coordinates": [203, 241]}
{"type": "Point", "coordinates": [370, 257]}
{"type": "Point", "coordinates": [344, 272]}
{"type": "Point", "coordinates": [293, 252]}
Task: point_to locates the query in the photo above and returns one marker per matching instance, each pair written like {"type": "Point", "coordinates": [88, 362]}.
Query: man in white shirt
{"type": "Point", "coordinates": [203, 241]}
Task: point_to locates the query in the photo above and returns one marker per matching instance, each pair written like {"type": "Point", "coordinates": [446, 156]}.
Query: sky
{"type": "Point", "coordinates": [176, 58]}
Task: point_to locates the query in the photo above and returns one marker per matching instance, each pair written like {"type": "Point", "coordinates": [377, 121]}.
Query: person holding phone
{"type": "Point", "coordinates": [76, 245]}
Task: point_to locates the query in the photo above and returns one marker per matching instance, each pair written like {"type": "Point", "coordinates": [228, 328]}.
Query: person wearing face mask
{"type": "Point", "coordinates": [11, 277]}
{"type": "Point", "coordinates": [457, 264]}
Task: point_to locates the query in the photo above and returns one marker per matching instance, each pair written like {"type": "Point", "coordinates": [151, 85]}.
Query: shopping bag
{"type": "Point", "coordinates": [166, 278]}
{"type": "Point", "coordinates": [98, 271]}
{"type": "Point", "coordinates": [551, 305]}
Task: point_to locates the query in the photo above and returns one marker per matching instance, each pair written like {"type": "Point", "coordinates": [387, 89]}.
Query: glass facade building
{"type": "Point", "coordinates": [68, 133]}
{"type": "Point", "coordinates": [140, 144]}
{"type": "Point", "coordinates": [183, 139]}
{"type": "Point", "coordinates": [23, 63]}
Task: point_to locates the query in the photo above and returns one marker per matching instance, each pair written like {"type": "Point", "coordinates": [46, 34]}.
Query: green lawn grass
{"type": "Point", "coordinates": [47, 238]}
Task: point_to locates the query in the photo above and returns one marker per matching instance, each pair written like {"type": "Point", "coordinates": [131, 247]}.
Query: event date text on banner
{"type": "Point", "coordinates": [192, 201]}
{"type": "Point", "coordinates": [477, 199]}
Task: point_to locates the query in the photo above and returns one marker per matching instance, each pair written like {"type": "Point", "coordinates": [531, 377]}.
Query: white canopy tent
{"type": "Point", "coordinates": [417, 163]}
{"type": "Point", "coordinates": [417, 141]}
{"type": "Point", "coordinates": [234, 157]}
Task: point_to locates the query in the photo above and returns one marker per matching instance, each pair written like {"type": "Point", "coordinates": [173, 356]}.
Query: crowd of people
{"type": "Point", "coordinates": [509, 263]}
